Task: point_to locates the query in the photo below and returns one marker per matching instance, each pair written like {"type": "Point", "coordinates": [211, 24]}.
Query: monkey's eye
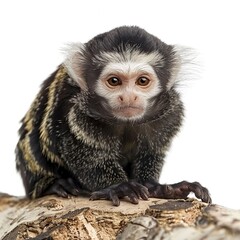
{"type": "Point", "coordinates": [143, 81]}
{"type": "Point", "coordinates": [114, 81]}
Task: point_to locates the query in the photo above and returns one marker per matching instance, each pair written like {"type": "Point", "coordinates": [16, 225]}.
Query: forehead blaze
{"type": "Point", "coordinates": [128, 63]}
{"type": "Point", "coordinates": [154, 59]}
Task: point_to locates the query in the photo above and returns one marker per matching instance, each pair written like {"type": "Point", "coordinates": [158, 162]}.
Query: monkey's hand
{"type": "Point", "coordinates": [132, 190]}
{"type": "Point", "coordinates": [177, 190]}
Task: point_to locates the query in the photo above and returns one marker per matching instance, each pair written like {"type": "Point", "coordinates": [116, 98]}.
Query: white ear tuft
{"type": "Point", "coordinates": [186, 65]}
{"type": "Point", "coordinates": [74, 62]}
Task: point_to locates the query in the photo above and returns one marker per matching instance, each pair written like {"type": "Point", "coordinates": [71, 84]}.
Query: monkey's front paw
{"type": "Point", "coordinates": [131, 189]}
{"type": "Point", "coordinates": [178, 190]}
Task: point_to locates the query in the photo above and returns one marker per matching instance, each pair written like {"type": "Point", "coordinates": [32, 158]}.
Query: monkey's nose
{"type": "Point", "coordinates": [128, 98]}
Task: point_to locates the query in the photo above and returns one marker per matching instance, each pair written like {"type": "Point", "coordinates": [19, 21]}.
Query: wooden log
{"type": "Point", "coordinates": [53, 218]}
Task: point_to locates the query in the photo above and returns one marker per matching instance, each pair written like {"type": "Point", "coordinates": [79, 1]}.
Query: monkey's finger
{"type": "Point", "coordinates": [207, 198]}
{"type": "Point", "coordinates": [133, 198]}
{"type": "Point", "coordinates": [74, 189]}
{"type": "Point", "coordinates": [69, 186]}
{"type": "Point", "coordinates": [98, 195]}
{"type": "Point", "coordinates": [109, 194]}
{"type": "Point", "coordinates": [56, 190]}
{"type": "Point", "coordinates": [140, 190]}
{"type": "Point", "coordinates": [114, 198]}
{"type": "Point", "coordinates": [200, 192]}
{"type": "Point", "coordinates": [143, 193]}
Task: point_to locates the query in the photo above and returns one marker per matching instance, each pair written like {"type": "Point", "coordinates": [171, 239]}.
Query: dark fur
{"type": "Point", "coordinates": [101, 151]}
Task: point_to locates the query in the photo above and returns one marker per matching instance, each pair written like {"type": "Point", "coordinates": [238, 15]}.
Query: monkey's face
{"type": "Point", "coordinates": [124, 73]}
{"type": "Point", "coordinates": [127, 88]}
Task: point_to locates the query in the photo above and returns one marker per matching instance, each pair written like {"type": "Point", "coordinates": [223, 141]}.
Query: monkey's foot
{"type": "Point", "coordinates": [63, 188]}
{"type": "Point", "coordinates": [178, 190]}
{"type": "Point", "coordinates": [132, 190]}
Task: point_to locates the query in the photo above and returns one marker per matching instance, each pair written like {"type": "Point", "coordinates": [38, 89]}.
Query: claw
{"type": "Point", "coordinates": [178, 190]}
{"type": "Point", "coordinates": [132, 190]}
{"type": "Point", "coordinates": [114, 198]}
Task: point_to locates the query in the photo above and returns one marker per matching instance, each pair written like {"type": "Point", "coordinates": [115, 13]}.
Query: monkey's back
{"type": "Point", "coordinates": [37, 158]}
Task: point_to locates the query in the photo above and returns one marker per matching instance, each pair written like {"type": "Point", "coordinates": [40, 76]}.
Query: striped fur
{"type": "Point", "coordinates": [68, 131]}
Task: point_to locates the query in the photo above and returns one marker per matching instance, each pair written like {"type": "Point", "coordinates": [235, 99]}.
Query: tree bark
{"type": "Point", "coordinates": [51, 217]}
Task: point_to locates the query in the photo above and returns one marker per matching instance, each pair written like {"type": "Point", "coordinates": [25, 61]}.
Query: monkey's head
{"type": "Point", "coordinates": [124, 73]}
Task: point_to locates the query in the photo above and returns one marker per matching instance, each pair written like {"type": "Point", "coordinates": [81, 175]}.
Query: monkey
{"type": "Point", "coordinates": [102, 123]}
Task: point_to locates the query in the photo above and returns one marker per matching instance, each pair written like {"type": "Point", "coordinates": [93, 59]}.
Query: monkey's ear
{"type": "Point", "coordinates": [185, 65]}
{"type": "Point", "coordinates": [175, 63]}
{"type": "Point", "coordinates": [74, 63]}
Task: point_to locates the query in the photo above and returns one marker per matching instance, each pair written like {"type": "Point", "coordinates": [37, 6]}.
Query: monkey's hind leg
{"type": "Point", "coordinates": [63, 187]}
{"type": "Point", "coordinates": [178, 190]}
{"type": "Point", "coordinates": [131, 189]}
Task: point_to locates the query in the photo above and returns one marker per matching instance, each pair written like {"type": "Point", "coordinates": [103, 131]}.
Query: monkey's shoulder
{"type": "Point", "coordinates": [46, 114]}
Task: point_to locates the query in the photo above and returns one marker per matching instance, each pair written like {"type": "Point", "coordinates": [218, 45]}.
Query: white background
{"type": "Point", "coordinates": [207, 149]}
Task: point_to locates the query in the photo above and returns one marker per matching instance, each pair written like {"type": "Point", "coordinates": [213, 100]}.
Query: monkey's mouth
{"type": "Point", "coordinates": [128, 112]}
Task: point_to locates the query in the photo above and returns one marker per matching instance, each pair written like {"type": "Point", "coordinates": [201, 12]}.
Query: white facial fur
{"type": "Point", "coordinates": [128, 101]}
{"type": "Point", "coordinates": [153, 59]}
{"type": "Point", "coordinates": [186, 62]}
{"type": "Point", "coordinates": [128, 64]}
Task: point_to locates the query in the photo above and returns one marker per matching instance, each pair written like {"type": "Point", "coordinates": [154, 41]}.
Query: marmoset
{"type": "Point", "coordinates": [102, 123]}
